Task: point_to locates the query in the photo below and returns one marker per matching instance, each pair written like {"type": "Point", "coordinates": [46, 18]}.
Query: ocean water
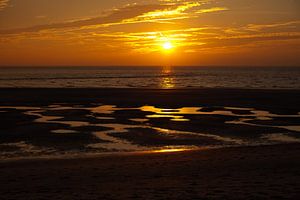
{"type": "Point", "coordinates": [151, 77]}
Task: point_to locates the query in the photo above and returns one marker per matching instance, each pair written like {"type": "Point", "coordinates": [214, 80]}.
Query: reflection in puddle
{"type": "Point", "coordinates": [20, 107]}
{"type": "Point", "coordinates": [215, 137]}
{"type": "Point", "coordinates": [105, 109]}
{"type": "Point", "coordinates": [22, 148]}
{"type": "Point", "coordinates": [176, 115]}
{"type": "Point", "coordinates": [180, 120]}
{"type": "Point", "coordinates": [291, 128]}
{"type": "Point", "coordinates": [281, 138]}
{"type": "Point", "coordinates": [139, 120]}
{"type": "Point", "coordinates": [181, 111]}
{"type": "Point", "coordinates": [121, 145]}
{"type": "Point", "coordinates": [115, 143]}
{"type": "Point", "coordinates": [64, 131]}
{"type": "Point", "coordinates": [244, 121]}
{"type": "Point", "coordinates": [263, 118]}
{"type": "Point", "coordinates": [105, 118]}
{"type": "Point", "coordinates": [166, 116]}
{"type": "Point", "coordinates": [171, 150]}
{"type": "Point", "coordinates": [42, 118]}
{"type": "Point", "coordinates": [74, 124]}
{"type": "Point", "coordinates": [242, 109]}
{"type": "Point", "coordinates": [53, 119]}
{"type": "Point", "coordinates": [197, 111]}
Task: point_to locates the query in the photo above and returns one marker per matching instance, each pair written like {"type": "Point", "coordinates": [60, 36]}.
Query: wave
{"type": "Point", "coordinates": [96, 77]}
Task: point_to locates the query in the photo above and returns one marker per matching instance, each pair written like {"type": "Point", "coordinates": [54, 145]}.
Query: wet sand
{"type": "Point", "coordinates": [265, 172]}
{"type": "Point", "coordinates": [278, 101]}
{"type": "Point", "coordinates": [257, 172]}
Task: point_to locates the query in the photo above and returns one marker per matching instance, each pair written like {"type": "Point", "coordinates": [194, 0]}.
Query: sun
{"type": "Point", "coordinates": [168, 45]}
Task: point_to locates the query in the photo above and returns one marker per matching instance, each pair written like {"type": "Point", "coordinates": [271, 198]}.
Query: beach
{"type": "Point", "coordinates": [176, 143]}
{"type": "Point", "coordinates": [265, 172]}
{"type": "Point", "coordinates": [149, 100]}
{"type": "Point", "coordinates": [275, 99]}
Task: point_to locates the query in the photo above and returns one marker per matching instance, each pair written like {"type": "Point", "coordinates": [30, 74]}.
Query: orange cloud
{"type": "Point", "coordinates": [3, 4]}
{"type": "Point", "coordinates": [214, 9]}
{"type": "Point", "coordinates": [117, 16]}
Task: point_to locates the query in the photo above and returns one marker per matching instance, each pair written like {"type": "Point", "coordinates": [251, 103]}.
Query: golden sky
{"type": "Point", "coordinates": [152, 32]}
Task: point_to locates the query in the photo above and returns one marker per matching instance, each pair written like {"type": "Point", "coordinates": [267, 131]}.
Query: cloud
{"type": "Point", "coordinates": [102, 32]}
{"type": "Point", "coordinates": [171, 12]}
{"type": "Point", "coordinates": [209, 10]}
{"type": "Point", "coordinates": [165, 12]}
{"type": "Point", "coordinates": [3, 4]}
{"type": "Point", "coordinates": [117, 15]}
{"type": "Point", "coordinates": [259, 27]}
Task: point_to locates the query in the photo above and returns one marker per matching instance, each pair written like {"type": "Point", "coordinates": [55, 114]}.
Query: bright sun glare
{"type": "Point", "coordinates": [167, 45]}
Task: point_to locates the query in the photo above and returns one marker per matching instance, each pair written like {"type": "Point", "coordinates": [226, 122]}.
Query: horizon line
{"type": "Point", "coordinates": [41, 66]}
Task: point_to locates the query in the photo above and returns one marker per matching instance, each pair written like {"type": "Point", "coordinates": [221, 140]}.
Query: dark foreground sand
{"type": "Point", "coordinates": [266, 172]}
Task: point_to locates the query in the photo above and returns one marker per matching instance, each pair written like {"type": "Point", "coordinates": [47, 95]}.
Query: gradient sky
{"type": "Point", "coordinates": [132, 32]}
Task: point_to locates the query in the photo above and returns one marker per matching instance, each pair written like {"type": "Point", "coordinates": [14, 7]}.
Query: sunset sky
{"type": "Point", "coordinates": [153, 32]}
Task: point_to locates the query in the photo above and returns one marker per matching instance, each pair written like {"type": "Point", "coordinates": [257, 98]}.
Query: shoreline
{"type": "Point", "coordinates": [163, 97]}
{"type": "Point", "coordinates": [99, 155]}
{"type": "Point", "coordinates": [135, 153]}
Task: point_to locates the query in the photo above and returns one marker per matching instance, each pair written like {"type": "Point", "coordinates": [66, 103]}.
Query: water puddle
{"type": "Point", "coordinates": [281, 138]}
{"type": "Point", "coordinates": [139, 120]}
{"type": "Point", "coordinates": [116, 143]}
{"type": "Point", "coordinates": [22, 148]}
{"type": "Point", "coordinates": [244, 121]}
{"type": "Point", "coordinates": [105, 118]}
{"type": "Point", "coordinates": [176, 115]}
{"type": "Point", "coordinates": [215, 137]}
{"type": "Point", "coordinates": [64, 131]}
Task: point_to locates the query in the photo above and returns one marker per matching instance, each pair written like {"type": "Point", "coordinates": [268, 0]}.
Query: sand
{"type": "Point", "coordinates": [256, 172]}
{"type": "Point", "coordinates": [279, 101]}
{"type": "Point", "coordinates": [265, 172]}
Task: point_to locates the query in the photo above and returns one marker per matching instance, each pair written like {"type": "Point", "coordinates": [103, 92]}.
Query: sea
{"type": "Point", "coordinates": [151, 77]}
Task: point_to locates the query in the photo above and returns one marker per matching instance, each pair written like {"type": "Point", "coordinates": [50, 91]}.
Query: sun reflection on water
{"type": "Point", "coordinates": [167, 70]}
{"type": "Point", "coordinates": [167, 82]}
{"type": "Point", "coordinates": [170, 150]}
